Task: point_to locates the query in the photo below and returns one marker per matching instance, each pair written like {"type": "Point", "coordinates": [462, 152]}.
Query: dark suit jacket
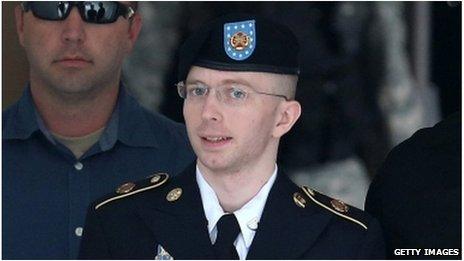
{"type": "Point", "coordinates": [132, 227]}
{"type": "Point", "coordinates": [416, 194]}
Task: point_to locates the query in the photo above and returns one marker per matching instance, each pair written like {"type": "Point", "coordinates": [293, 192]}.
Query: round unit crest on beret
{"type": "Point", "coordinates": [241, 42]}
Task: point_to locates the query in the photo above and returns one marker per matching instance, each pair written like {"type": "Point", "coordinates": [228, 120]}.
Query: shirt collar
{"type": "Point", "coordinates": [128, 122]}
{"type": "Point", "coordinates": [43, 129]}
{"type": "Point", "coordinates": [135, 128]}
{"type": "Point", "coordinates": [110, 134]}
{"type": "Point", "coordinates": [213, 210]}
{"type": "Point", "coordinates": [22, 123]}
{"type": "Point", "coordinates": [247, 216]}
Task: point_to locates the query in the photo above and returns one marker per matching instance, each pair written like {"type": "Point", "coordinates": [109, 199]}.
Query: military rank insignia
{"type": "Point", "coordinates": [240, 39]}
{"type": "Point", "coordinates": [162, 254]}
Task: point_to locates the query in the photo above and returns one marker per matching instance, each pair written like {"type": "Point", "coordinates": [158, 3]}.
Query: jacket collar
{"type": "Point", "coordinates": [181, 226]}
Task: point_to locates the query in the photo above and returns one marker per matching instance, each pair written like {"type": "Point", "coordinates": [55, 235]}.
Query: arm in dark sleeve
{"type": "Point", "coordinates": [374, 244]}
{"type": "Point", "coordinates": [416, 193]}
{"type": "Point", "coordinates": [374, 248]}
{"type": "Point", "coordinates": [382, 197]}
{"type": "Point", "coordinates": [94, 244]}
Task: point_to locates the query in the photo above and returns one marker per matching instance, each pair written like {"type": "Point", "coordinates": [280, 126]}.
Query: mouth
{"type": "Point", "coordinates": [73, 61]}
{"type": "Point", "coordinates": [215, 141]}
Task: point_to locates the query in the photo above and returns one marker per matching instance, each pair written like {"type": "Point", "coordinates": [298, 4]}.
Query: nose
{"type": "Point", "coordinates": [211, 110]}
{"type": "Point", "coordinates": [73, 28]}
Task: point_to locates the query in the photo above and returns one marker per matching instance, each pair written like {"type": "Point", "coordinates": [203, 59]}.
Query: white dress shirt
{"type": "Point", "coordinates": [248, 216]}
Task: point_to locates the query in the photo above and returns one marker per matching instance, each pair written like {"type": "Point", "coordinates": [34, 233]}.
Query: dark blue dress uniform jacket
{"type": "Point", "coordinates": [133, 227]}
{"type": "Point", "coordinates": [46, 190]}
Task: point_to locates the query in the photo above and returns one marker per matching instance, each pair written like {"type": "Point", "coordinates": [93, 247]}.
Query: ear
{"type": "Point", "coordinates": [134, 29]}
{"type": "Point", "coordinates": [19, 17]}
{"type": "Point", "coordinates": [287, 114]}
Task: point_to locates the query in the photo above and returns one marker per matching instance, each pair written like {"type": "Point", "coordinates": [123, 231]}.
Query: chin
{"type": "Point", "coordinates": [214, 163]}
{"type": "Point", "coordinates": [76, 84]}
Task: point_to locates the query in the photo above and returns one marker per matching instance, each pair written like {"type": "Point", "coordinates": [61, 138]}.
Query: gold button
{"type": "Point", "coordinates": [299, 200]}
{"type": "Point", "coordinates": [174, 194]}
{"type": "Point", "coordinates": [125, 188]}
{"type": "Point", "coordinates": [339, 205]}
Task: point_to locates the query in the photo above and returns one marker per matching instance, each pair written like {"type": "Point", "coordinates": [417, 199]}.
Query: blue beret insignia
{"type": "Point", "coordinates": [239, 39]}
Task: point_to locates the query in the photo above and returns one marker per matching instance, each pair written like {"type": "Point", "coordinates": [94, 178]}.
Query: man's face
{"type": "Point", "coordinates": [72, 56]}
{"type": "Point", "coordinates": [229, 137]}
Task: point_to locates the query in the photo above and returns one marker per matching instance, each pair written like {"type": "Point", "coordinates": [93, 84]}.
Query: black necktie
{"type": "Point", "coordinates": [227, 231]}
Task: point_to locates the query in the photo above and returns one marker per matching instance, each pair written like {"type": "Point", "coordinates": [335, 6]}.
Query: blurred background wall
{"type": "Point", "coordinates": [14, 63]}
{"type": "Point", "coordinates": [372, 74]}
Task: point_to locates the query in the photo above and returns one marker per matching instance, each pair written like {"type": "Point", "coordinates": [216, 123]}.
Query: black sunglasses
{"type": "Point", "coordinates": [98, 12]}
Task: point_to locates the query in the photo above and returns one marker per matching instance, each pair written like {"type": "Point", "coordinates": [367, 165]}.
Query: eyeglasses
{"type": "Point", "coordinates": [98, 12]}
{"type": "Point", "coordinates": [233, 94]}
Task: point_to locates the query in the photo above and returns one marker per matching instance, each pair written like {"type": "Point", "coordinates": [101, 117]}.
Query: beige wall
{"type": "Point", "coordinates": [14, 62]}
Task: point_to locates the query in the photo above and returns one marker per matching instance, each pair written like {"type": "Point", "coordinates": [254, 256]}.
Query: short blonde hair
{"type": "Point", "coordinates": [286, 85]}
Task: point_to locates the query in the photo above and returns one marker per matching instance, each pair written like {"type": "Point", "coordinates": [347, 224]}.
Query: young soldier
{"type": "Point", "coordinates": [238, 79]}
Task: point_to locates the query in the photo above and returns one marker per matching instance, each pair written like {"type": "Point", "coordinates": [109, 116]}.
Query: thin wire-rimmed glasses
{"type": "Point", "coordinates": [233, 94]}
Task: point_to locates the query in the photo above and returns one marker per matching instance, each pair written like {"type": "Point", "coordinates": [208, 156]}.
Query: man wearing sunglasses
{"type": "Point", "coordinates": [238, 79]}
{"type": "Point", "coordinates": [75, 134]}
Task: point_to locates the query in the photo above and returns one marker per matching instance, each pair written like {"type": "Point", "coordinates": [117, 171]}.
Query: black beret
{"type": "Point", "coordinates": [241, 42]}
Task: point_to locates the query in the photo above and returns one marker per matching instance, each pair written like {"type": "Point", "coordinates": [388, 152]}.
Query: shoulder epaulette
{"type": "Point", "coordinates": [335, 206]}
{"type": "Point", "coordinates": [130, 188]}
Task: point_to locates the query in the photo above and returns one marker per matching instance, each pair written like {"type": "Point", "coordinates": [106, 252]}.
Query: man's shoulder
{"type": "Point", "coordinates": [334, 225]}
{"type": "Point", "coordinates": [423, 156]}
{"type": "Point", "coordinates": [12, 120]}
{"type": "Point", "coordinates": [152, 128]}
{"type": "Point", "coordinates": [159, 120]}
{"type": "Point", "coordinates": [127, 193]}
{"type": "Point", "coordinates": [169, 132]}
{"type": "Point", "coordinates": [153, 195]}
{"type": "Point", "coordinates": [341, 212]}
{"type": "Point", "coordinates": [131, 110]}
{"type": "Point", "coordinates": [444, 134]}
{"type": "Point", "coordinates": [329, 223]}
{"type": "Point", "coordinates": [9, 113]}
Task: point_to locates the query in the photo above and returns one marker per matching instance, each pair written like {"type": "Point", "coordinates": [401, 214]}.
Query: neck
{"type": "Point", "coordinates": [75, 115]}
{"type": "Point", "coordinates": [235, 189]}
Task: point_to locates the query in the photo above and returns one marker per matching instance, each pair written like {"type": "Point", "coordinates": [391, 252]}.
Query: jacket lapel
{"type": "Point", "coordinates": [180, 227]}
{"type": "Point", "coordinates": [285, 230]}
